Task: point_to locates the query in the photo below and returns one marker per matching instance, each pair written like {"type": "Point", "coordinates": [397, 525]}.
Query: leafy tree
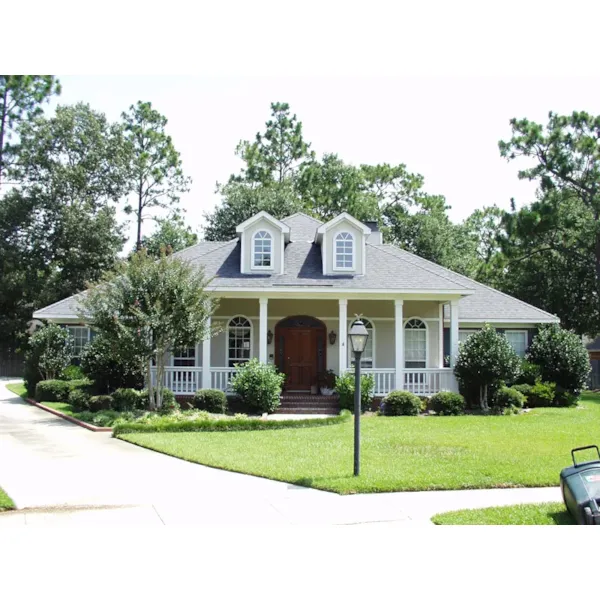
{"type": "Point", "coordinates": [485, 360]}
{"type": "Point", "coordinates": [240, 201]}
{"type": "Point", "coordinates": [49, 352]}
{"type": "Point", "coordinates": [561, 357]}
{"type": "Point", "coordinates": [564, 157]}
{"type": "Point", "coordinates": [150, 306]}
{"type": "Point", "coordinates": [276, 154]}
{"type": "Point", "coordinates": [21, 97]}
{"type": "Point", "coordinates": [172, 234]}
{"type": "Point", "coordinates": [157, 178]}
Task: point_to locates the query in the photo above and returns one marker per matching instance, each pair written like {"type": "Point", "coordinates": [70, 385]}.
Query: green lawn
{"type": "Point", "coordinates": [549, 513]}
{"type": "Point", "coordinates": [18, 389]}
{"type": "Point", "coordinates": [5, 502]}
{"type": "Point", "coordinates": [401, 453]}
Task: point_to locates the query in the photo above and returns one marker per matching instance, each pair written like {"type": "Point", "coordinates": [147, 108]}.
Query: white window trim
{"type": "Point", "coordinates": [89, 333]}
{"type": "Point", "coordinates": [427, 363]}
{"type": "Point", "coordinates": [262, 268]}
{"type": "Point", "coordinates": [227, 337]}
{"type": "Point", "coordinates": [353, 238]}
{"type": "Point", "coordinates": [373, 336]}
{"type": "Point", "coordinates": [174, 356]}
{"type": "Point", "coordinates": [523, 331]}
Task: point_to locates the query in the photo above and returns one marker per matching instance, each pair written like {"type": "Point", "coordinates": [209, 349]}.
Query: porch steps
{"type": "Point", "coordinates": [300, 404]}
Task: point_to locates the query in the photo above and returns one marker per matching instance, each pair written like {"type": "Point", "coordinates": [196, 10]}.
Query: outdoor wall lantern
{"type": "Point", "coordinates": [269, 337]}
{"type": "Point", "coordinates": [358, 340]}
{"type": "Point", "coordinates": [332, 337]}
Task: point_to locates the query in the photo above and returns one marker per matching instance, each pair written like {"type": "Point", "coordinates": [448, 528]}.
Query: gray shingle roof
{"type": "Point", "coordinates": [388, 268]}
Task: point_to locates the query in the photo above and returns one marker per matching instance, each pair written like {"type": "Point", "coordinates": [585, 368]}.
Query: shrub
{"type": "Point", "coordinates": [110, 366]}
{"type": "Point", "coordinates": [507, 401]}
{"type": "Point", "coordinates": [98, 403]}
{"type": "Point", "coordinates": [79, 399]}
{"type": "Point", "coordinates": [169, 404]}
{"type": "Point", "coordinates": [448, 403]}
{"type": "Point", "coordinates": [72, 372]}
{"type": "Point", "coordinates": [167, 396]}
{"type": "Point", "coordinates": [212, 401]}
{"type": "Point", "coordinates": [564, 397]}
{"type": "Point", "coordinates": [49, 351]}
{"type": "Point", "coordinates": [258, 385]}
{"type": "Point", "coordinates": [344, 386]}
{"type": "Point", "coordinates": [52, 390]}
{"type": "Point", "coordinates": [541, 394]}
{"type": "Point", "coordinates": [524, 388]}
{"type": "Point", "coordinates": [126, 399]}
{"type": "Point", "coordinates": [486, 359]}
{"type": "Point", "coordinates": [561, 357]}
{"type": "Point", "coordinates": [399, 403]}
{"type": "Point", "coordinates": [530, 373]}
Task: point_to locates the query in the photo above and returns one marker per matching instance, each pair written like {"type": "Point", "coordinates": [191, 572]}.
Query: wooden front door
{"type": "Point", "coordinates": [300, 352]}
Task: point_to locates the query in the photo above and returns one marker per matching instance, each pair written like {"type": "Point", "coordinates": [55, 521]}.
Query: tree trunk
{"type": "Point", "coordinates": [138, 244]}
{"type": "Point", "coordinates": [2, 130]}
{"type": "Point", "coordinates": [150, 387]}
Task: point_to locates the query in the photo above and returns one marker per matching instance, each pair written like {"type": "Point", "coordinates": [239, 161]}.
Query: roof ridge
{"type": "Point", "coordinates": [382, 249]}
{"type": "Point", "coordinates": [302, 214]}
{"type": "Point", "coordinates": [474, 281]}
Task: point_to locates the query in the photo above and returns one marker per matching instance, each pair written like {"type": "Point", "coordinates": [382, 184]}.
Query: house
{"type": "Point", "coordinates": [593, 348]}
{"type": "Point", "coordinates": [290, 289]}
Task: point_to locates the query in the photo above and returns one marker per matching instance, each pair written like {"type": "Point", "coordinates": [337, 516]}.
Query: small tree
{"type": "Point", "coordinates": [561, 358]}
{"type": "Point", "coordinates": [151, 306]}
{"type": "Point", "coordinates": [486, 359]}
{"type": "Point", "coordinates": [49, 351]}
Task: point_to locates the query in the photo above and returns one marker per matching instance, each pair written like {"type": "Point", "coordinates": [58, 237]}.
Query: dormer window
{"type": "Point", "coordinates": [344, 251]}
{"type": "Point", "coordinates": [262, 250]}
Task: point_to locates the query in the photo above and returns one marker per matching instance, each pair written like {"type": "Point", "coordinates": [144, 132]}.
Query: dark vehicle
{"type": "Point", "coordinates": [580, 487]}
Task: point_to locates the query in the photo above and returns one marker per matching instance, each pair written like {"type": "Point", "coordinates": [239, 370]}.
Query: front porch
{"type": "Point", "coordinates": [306, 338]}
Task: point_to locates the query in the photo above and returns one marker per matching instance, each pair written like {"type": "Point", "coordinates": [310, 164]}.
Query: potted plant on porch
{"type": "Point", "coordinates": [326, 382]}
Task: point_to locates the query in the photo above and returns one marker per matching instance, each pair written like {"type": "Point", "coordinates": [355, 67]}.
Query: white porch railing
{"type": "Point", "coordinates": [425, 382]}
{"type": "Point", "coordinates": [181, 380]}
{"type": "Point", "coordinates": [185, 381]}
{"type": "Point", "coordinates": [220, 377]}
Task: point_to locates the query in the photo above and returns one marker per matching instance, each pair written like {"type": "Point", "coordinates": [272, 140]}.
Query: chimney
{"type": "Point", "coordinates": [375, 236]}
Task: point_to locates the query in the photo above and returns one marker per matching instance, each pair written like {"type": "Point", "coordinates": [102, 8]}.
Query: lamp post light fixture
{"type": "Point", "coordinates": [359, 336]}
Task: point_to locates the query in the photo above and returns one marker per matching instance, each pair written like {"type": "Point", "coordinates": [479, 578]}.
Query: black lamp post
{"type": "Point", "coordinates": [358, 339]}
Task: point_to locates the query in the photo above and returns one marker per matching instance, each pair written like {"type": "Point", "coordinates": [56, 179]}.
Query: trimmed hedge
{"type": "Point", "coordinates": [541, 394]}
{"type": "Point", "coordinates": [401, 403]}
{"type": "Point", "coordinates": [126, 399]}
{"type": "Point", "coordinates": [212, 401]}
{"type": "Point", "coordinates": [508, 401]}
{"type": "Point", "coordinates": [98, 403]}
{"type": "Point", "coordinates": [52, 390]}
{"type": "Point", "coordinates": [448, 403]}
{"type": "Point", "coordinates": [164, 424]}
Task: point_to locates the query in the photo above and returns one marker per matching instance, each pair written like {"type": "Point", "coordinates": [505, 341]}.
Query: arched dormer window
{"type": "Point", "coordinates": [344, 252]}
{"type": "Point", "coordinates": [262, 250]}
{"type": "Point", "coordinates": [415, 344]}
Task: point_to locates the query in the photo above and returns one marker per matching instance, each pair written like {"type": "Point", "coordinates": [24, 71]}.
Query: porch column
{"type": "Point", "coordinates": [343, 328]}
{"type": "Point", "coordinates": [206, 379]}
{"type": "Point", "coordinates": [453, 332]}
{"type": "Point", "coordinates": [399, 341]}
{"type": "Point", "coordinates": [441, 337]}
{"type": "Point", "coordinates": [262, 330]}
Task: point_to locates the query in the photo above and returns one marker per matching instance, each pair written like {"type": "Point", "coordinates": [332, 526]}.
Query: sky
{"type": "Point", "coordinates": [445, 128]}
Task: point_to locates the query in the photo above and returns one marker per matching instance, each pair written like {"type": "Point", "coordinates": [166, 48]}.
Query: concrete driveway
{"type": "Point", "coordinates": [62, 474]}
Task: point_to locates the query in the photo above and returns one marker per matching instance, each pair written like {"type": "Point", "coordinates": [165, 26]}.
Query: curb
{"type": "Point", "coordinates": [73, 420]}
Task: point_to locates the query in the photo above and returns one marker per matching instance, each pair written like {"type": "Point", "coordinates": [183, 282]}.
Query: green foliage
{"type": "Point", "coordinates": [156, 173]}
{"type": "Point", "coordinates": [167, 395]}
{"type": "Point", "coordinates": [258, 385]}
{"type": "Point", "coordinates": [126, 399]}
{"type": "Point", "coordinates": [172, 234]}
{"type": "Point", "coordinates": [52, 390]}
{"type": "Point", "coordinates": [212, 401]}
{"type": "Point", "coordinates": [112, 365]}
{"type": "Point", "coordinates": [236, 423]}
{"type": "Point", "coordinates": [524, 388]}
{"type": "Point", "coordinates": [79, 398]}
{"type": "Point", "coordinates": [562, 358]}
{"type": "Point", "coordinates": [485, 359]}
{"type": "Point", "coordinates": [448, 403]}
{"type": "Point", "coordinates": [399, 403]}
{"type": "Point", "coordinates": [72, 372]}
{"type": "Point", "coordinates": [507, 401]}
{"type": "Point", "coordinates": [98, 403]}
{"type": "Point", "coordinates": [169, 405]}
{"type": "Point", "coordinates": [150, 306]}
{"type": "Point", "coordinates": [530, 373]}
{"type": "Point", "coordinates": [541, 394]}
{"type": "Point", "coordinates": [344, 386]}
{"type": "Point", "coordinates": [49, 352]}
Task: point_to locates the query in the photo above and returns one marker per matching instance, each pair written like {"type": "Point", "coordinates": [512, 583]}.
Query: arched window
{"type": "Point", "coordinates": [415, 344]}
{"type": "Point", "coordinates": [367, 358]}
{"type": "Point", "coordinates": [239, 341]}
{"type": "Point", "coordinates": [262, 250]}
{"type": "Point", "coordinates": [344, 251]}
